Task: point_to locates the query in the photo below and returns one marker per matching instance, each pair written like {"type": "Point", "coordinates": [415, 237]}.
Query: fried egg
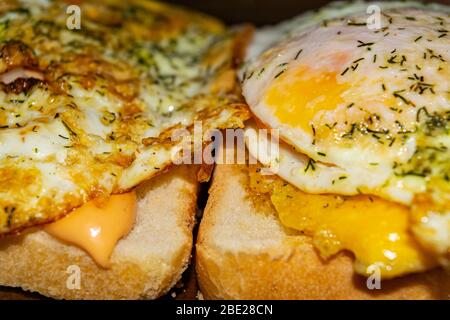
{"type": "Point", "coordinates": [87, 112]}
{"type": "Point", "coordinates": [269, 36]}
{"type": "Point", "coordinates": [362, 110]}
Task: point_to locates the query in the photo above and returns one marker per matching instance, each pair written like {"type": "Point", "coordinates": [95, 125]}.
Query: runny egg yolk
{"type": "Point", "coordinates": [298, 94]}
{"type": "Point", "coordinates": [376, 231]}
{"type": "Point", "coordinates": [96, 227]}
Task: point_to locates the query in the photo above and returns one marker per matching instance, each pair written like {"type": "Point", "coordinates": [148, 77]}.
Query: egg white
{"type": "Point", "coordinates": [399, 147]}
{"type": "Point", "coordinates": [372, 153]}
{"type": "Point", "coordinates": [97, 120]}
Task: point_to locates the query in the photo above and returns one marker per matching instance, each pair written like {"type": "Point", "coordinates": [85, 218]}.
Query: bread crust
{"type": "Point", "coordinates": [243, 253]}
{"type": "Point", "coordinates": [145, 264]}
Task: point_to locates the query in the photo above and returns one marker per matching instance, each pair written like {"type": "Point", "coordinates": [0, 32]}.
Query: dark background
{"type": "Point", "coordinates": [259, 12]}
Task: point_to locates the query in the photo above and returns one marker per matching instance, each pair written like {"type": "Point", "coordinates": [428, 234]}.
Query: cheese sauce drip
{"type": "Point", "coordinates": [97, 226]}
{"type": "Point", "coordinates": [374, 230]}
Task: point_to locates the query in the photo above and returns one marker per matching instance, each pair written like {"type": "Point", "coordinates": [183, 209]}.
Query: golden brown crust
{"type": "Point", "coordinates": [244, 36]}
{"type": "Point", "coordinates": [145, 265]}
{"type": "Point", "coordinates": [268, 263]}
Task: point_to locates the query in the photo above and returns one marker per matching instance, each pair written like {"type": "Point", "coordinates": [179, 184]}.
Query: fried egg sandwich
{"type": "Point", "coordinates": [357, 205]}
{"type": "Point", "coordinates": [90, 94]}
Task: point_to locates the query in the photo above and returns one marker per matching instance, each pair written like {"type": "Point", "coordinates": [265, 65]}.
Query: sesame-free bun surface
{"type": "Point", "coordinates": [243, 252]}
{"type": "Point", "coordinates": [145, 264]}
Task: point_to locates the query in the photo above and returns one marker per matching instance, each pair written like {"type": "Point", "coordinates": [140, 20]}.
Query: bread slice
{"type": "Point", "coordinates": [145, 264]}
{"type": "Point", "coordinates": [244, 253]}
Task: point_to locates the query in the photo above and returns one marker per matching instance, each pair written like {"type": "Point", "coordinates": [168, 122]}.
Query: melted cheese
{"type": "Point", "coordinates": [376, 231]}
{"type": "Point", "coordinates": [96, 227]}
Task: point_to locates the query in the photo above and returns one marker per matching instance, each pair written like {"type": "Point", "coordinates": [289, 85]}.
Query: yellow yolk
{"type": "Point", "coordinates": [297, 95]}
{"type": "Point", "coordinates": [96, 228]}
{"type": "Point", "coordinates": [376, 231]}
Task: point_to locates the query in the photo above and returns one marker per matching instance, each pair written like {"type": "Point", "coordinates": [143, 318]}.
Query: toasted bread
{"type": "Point", "coordinates": [243, 252]}
{"type": "Point", "coordinates": [145, 264]}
